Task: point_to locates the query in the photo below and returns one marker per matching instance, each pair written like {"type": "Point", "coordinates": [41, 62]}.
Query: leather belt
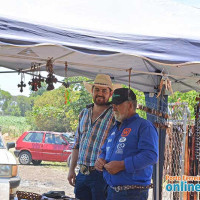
{"type": "Point", "coordinates": [86, 170]}
{"type": "Point", "coordinates": [130, 187]}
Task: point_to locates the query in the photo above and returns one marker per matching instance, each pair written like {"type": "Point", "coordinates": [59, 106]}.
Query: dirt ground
{"type": "Point", "coordinates": [47, 177]}
{"type": "Point", "coordinates": [44, 178]}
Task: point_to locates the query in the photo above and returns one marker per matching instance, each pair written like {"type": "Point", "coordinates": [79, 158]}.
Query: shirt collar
{"type": "Point", "coordinates": [132, 118]}
{"type": "Point", "coordinates": [101, 115]}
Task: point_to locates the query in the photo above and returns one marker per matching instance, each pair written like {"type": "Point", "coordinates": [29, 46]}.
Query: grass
{"type": "Point", "coordinates": [14, 126]}
{"type": "Point", "coordinates": [56, 165]}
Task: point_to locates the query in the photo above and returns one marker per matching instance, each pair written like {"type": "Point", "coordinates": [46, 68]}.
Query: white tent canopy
{"type": "Point", "coordinates": [161, 36]}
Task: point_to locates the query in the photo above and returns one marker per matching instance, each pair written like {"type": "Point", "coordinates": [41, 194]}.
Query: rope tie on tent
{"type": "Point", "coordinates": [67, 92]}
{"type": "Point", "coordinates": [166, 83]}
{"type": "Point", "coordinates": [129, 81]}
{"type": "Point", "coordinates": [49, 66]}
{"type": "Point", "coordinates": [66, 68]}
{"type": "Point", "coordinates": [129, 77]}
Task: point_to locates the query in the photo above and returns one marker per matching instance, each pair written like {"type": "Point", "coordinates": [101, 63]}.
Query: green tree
{"type": "Point", "coordinates": [24, 103]}
{"type": "Point", "coordinates": [5, 97]}
{"type": "Point", "coordinates": [18, 106]}
{"type": "Point", "coordinates": [12, 109]}
{"type": "Point", "coordinates": [79, 98]}
{"type": "Point", "coordinates": [188, 97]}
{"type": "Point", "coordinates": [50, 111]}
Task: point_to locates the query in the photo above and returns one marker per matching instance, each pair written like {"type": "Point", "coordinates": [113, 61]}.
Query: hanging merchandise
{"type": "Point", "coordinates": [173, 155]}
{"type": "Point", "coordinates": [161, 125]}
{"type": "Point", "coordinates": [197, 130]}
{"type": "Point", "coordinates": [35, 83]}
{"type": "Point", "coordinates": [50, 80]}
{"type": "Point", "coordinates": [67, 97]}
{"type": "Point", "coordinates": [50, 77]}
{"type": "Point", "coordinates": [153, 111]}
{"type": "Point", "coordinates": [22, 84]}
{"type": "Point", "coordinates": [166, 84]}
{"type": "Point", "coordinates": [66, 85]}
{"type": "Point", "coordinates": [197, 141]}
{"type": "Point", "coordinates": [193, 163]}
{"type": "Point", "coordinates": [175, 148]}
{"type": "Point", "coordinates": [192, 154]}
{"type": "Point", "coordinates": [39, 80]}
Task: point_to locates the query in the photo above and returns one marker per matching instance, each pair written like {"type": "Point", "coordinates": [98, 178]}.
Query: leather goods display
{"type": "Point", "coordinates": [28, 195]}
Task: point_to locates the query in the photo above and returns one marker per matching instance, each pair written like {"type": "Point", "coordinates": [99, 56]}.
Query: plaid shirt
{"type": "Point", "coordinates": [90, 137]}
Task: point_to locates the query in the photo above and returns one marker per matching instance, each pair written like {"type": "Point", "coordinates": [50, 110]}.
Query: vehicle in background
{"type": "Point", "coordinates": [38, 146]}
{"type": "Point", "coordinates": [8, 167]}
{"type": "Point", "coordinates": [70, 137]}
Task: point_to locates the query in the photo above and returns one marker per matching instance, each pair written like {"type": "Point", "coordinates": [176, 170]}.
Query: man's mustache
{"type": "Point", "coordinates": [100, 96]}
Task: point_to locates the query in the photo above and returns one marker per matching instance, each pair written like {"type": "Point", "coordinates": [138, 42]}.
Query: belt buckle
{"type": "Point", "coordinates": [84, 170]}
{"type": "Point", "coordinates": [117, 189]}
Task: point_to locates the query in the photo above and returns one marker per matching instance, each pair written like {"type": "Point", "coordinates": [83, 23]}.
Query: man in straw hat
{"type": "Point", "coordinates": [95, 122]}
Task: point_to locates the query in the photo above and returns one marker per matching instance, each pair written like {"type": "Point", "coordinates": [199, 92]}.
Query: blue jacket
{"type": "Point", "coordinates": [137, 144]}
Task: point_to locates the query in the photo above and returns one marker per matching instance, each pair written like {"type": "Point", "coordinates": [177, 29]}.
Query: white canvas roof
{"type": "Point", "coordinates": [147, 36]}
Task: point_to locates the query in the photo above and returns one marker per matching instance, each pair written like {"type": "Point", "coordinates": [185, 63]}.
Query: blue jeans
{"type": "Point", "coordinates": [90, 187]}
{"type": "Point", "coordinates": [136, 194]}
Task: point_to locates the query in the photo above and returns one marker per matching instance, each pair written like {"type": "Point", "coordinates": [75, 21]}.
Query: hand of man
{"type": "Point", "coordinates": [71, 177]}
{"type": "Point", "coordinates": [114, 167]}
{"type": "Point", "coordinates": [99, 164]}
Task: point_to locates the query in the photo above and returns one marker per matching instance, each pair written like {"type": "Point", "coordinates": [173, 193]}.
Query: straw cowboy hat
{"type": "Point", "coordinates": [101, 80]}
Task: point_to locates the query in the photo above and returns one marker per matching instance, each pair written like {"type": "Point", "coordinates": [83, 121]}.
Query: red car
{"type": "Point", "coordinates": [35, 146]}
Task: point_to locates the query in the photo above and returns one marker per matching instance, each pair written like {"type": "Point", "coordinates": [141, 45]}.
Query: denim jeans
{"type": "Point", "coordinates": [90, 187]}
{"type": "Point", "coordinates": [136, 194]}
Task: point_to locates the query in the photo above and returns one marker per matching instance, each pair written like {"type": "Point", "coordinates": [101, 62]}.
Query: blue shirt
{"type": "Point", "coordinates": [136, 142]}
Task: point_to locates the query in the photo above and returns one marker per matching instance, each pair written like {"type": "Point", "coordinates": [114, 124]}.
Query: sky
{"type": "Point", "coordinates": [193, 3]}
{"type": "Point", "coordinates": [96, 14]}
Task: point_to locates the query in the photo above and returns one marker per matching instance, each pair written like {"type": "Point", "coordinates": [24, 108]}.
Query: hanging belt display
{"type": "Point", "coordinates": [174, 159]}
{"type": "Point", "coordinates": [197, 131]}
{"type": "Point", "coordinates": [192, 153]}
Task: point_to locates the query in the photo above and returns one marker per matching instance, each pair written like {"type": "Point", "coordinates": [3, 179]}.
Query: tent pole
{"type": "Point", "coordinates": [158, 186]}
{"type": "Point", "coordinates": [161, 105]}
{"type": "Point", "coordinates": [157, 193]}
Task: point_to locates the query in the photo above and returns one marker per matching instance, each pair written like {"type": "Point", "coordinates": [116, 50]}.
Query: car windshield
{"type": "Point", "coordinates": [68, 137]}
{"type": "Point", "coordinates": [1, 143]}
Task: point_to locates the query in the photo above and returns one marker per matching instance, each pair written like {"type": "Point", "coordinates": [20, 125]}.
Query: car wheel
{"type": "Point", "coordinates": [25, 158]}
{"type": "Point", "coordinates": [36, 162]}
